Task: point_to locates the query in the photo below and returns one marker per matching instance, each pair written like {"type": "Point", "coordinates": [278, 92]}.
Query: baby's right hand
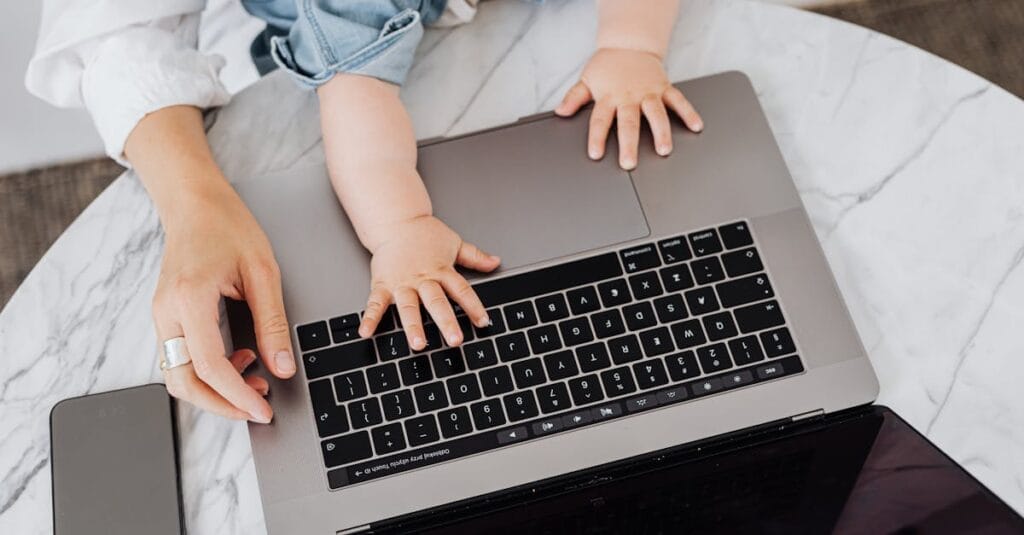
{"type": "Point", "coordinates": [416, 263]}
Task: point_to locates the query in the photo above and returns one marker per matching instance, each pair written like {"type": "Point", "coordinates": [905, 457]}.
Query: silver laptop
{"type": "Point", "coordinates": [634, 312]}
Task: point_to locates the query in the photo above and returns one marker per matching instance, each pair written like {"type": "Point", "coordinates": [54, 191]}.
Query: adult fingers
{"type": "Point", "coordinates": [242, 359]}
{"type": "Point", "coordinates": [182, 383]}
{"type": "Point", "coordinates": [200, 323]}
{"type": "Point", "coordinates": [661, 128]}
{"type": "Point", "coordinates": [682, 107]}
{"type": "Point", "coordinates": [262, 284]}
{"type": "Point", "coordinates": [459, 289]}
{"type": "Point", "coordinates": [627, 127]}
{"type": "Point", "coordinates": [472, 257]}
{"type": "Point", "coordinates": [376, 306]}
{"type": "Point", "coordinates": [407, 302]}
{"type": "Point", "coordinates": [574, 99]}
{"type": "Point", "coordinates": [600, 122]}
{"type": "Point", "coordinates": [436, 303]}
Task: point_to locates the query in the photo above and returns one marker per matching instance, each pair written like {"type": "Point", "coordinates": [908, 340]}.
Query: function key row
{"type": "Point", "coordinates": [681, 248]}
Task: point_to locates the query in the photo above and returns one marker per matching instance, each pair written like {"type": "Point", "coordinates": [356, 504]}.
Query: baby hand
{"type": "Point", "coordinates": [623, 83]}
{"type": "Point", "coordinates": [416, 263]}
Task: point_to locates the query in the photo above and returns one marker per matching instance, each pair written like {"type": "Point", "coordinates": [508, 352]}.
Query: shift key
{"type": "Point", "coordinates": [339, 359]}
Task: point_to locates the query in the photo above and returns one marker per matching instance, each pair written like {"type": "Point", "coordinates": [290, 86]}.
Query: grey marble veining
{"type": "Point", "coordinates": [912, 170]}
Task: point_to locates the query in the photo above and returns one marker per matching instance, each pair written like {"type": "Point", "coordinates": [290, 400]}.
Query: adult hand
{"type": "Point", "coordinates": [624, 83]}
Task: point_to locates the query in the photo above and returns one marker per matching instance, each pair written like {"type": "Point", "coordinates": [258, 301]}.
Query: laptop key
{"type": "Point", "coordinates": [742, 262]}
{"type": "Point", "coordinates": [608, 323]}
{"type": "Point", "coordinates": [433, 335]}
{"type": "Point", "coordinates": [392, 346]}
{"type": "Point", "coordinates": [593, 357]}
{"type": "Point", "coordinates": [346, 449]}
{"type": "Point", "coordinates": [759, 316]}
{"type": "Point", "coordinates": [338, 359]}
{"type": "Point", "coordinates": [544, 339]}
{"type": "Point", "coordinates": [330, 417]}
{"type": "Point", "coordinates": [672, 395]}
{"type": "Point", "coordinates": [520, 315]}
{"type": "Point", "coordinates": [640, 258]}
{"type": "Point", "coordinates": [625, 349]}
{"type": "Point", "coordinates": [553, 398]}
{"type": "Point", "coordinates": [706, 386]}
{"type": "Point", "coordinates": [549, 280]}
{"type": "Point", "coordinates": [431, 396]}
{"type": "Point", "coordinates": [745, 350]}
{"type": "Point", "coordinates": [646, 285]}
{"type": "Point", "coordinates": [552, 308]}
{"type": "Point", "coordinates": [341, 336]}
{"type": "Point", "coordinates": [365, 413]}
{"type": "Point", "coordinates": [618, 381]}
{"type": "Point", "coordinates": [576, 331]}
{"type": "Point", "coordinates": [740, 378]}
{"type": "Point", "coordinates": [415, 370]}
{"type": "Point", "coordinates": [705, 242]}
{"type": "Point", "coordinates": [509, 436]}
{"type": "Point", "coordinates": [520, 406]}
{"type": "Point", "coordinates": [676, 278]}
{"type": "Point", "coordinates": [447, 362]}
{"type": "Point", "coordinates": [719, 326]}
{"type": "Point", "coordinates": [454, 422]}
{"type": "Point", "coordinates": [496, 380]}
{"type": "Point", "coordinates": [641, 403]}
{"type": "Point", "coordinates": [614, 293]}
{"type": "Point", "coordinates": [674, 250]}
{"type": "Point", "coordinates": [610, 410]}
{"type": "Point", "coordinates": [777, 342]}
{"type": "Point", "coordinates": [713, 358]}
{"type": "Point", "coordinates": [656, 341]}
{"type": "Point", "coordinates": [388, 438]}
{"type": "Point", "coordinates": [421, 430]}
{"type": "Point", "coordinates": [688, 333]}
{"type": "Point", "coordinates": [682, 366]}
{"type": "Point", "coordinates": [487, 414]}
{"type": "Point", "coordinates": [701, 300]}
{"type": "Point", "coordinates": [736, 235]}
{"type": "Point", "coordinates": [670, 308]}
{"type": "Point", "coordinates": [576, 419]}
{"type": "Point", "coordinates": [313, 336]}
{"type": "Point", "coordinates": [466, 326]}
{"type": "Point", "coordinates": [528, 372]}
{"type": "Point", "coordinates": [707, 270]}
{"type": "Point", "coordinates": [639, 316]}
{"type": "Point", "coordinates": [480, 354]}
{"type": "Point", "coordinates": [650, 373]}
{"type": "Point", "coordinates": [560, 365]}
{"type": "Point", "coordinates": [383, 378]}
{"type": "Point", "coordinates": [583, 300]}
{"type": "Point", "coordinates": [350, 386]}
{"type": "Point", "coordinates": [463, 389]}
{"type": "Point", "coordinates": [585, 390]}
{"type": "Point", "coordinates": [398, 405]}
{"type": "Point", "coordinates": [496, 327]}
{"type": "Point", "coordinates": [545, 427]}
{"type": "Point", "coordinates": [746, 290]}
{"type": "Point", "coordinates": [512, 346]}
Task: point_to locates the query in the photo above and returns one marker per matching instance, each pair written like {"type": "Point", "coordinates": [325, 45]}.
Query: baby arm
{"type": "Point", "coordinates": [625, 78]}
{"type": "Point", "coordinates": [371, 155]}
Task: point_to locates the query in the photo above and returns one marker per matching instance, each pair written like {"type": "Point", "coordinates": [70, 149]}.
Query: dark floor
{"type": "Point", "coordinates": [985, 36]}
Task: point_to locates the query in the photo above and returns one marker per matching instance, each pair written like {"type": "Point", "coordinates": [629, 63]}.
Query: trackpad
{"type": "Point", "coordinates": [528, 192]}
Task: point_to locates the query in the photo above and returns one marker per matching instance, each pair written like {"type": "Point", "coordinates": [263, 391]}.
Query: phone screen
{"type": "Point", "coordinates": [114, 465]}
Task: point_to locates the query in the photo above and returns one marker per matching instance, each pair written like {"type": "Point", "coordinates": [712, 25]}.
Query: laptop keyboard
{"type": "Point", "coordinates": [569, 345]}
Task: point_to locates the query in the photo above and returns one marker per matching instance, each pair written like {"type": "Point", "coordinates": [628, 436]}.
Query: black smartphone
{"type": "Point", "coordinates": [114, 463]}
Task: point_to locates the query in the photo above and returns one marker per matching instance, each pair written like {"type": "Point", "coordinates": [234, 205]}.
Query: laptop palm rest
{"type": "Point", "coordinates": [529, 193]}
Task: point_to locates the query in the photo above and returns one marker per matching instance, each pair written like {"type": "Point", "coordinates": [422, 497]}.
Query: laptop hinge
{"type": "Point", "coordinates": [806, 415]}
{"type": "Point", "coordinates": [356, 529]}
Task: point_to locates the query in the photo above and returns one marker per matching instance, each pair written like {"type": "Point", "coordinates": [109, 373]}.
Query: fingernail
{"type": "Point", "coordinates": [628, 164]}
{"type": "Point", "coordinates": [663, 150]}
{"type": "Point", "coordinates": [248, 361]}
{"type": "Point", "coordinates": [262, 419]}
{"type": "Point", "coordinates": [264, 391]}
{"type": "Point", "coordinates": [418, 342]}
{"type": "Point", "coordinates": [594, 155]}
{"type": "Point", "coordinates": [486, 321]}
{"type": "Point", "coordinates": [698, 126]}
{"type": "Point", "coordinates": [285, 362]}
{"type": "Point", "coordinates": [454, 339]}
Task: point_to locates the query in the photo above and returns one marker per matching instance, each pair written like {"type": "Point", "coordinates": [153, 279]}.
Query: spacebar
{"type": "Point", "coordinates": [550, 279]}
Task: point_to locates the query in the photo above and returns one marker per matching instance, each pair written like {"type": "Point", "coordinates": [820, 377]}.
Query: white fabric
{"type": "Point", "coordinates": [456, 12]}
{"type": "Point", "coordinates": [123, 59]}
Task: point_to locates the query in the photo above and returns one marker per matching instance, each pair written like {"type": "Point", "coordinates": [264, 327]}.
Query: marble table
{"type": "Point", "coordinates": [912, 170]}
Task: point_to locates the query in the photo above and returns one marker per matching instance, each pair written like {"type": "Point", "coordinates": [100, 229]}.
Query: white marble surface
{"type": "Point", "coordinates": [912, 170]}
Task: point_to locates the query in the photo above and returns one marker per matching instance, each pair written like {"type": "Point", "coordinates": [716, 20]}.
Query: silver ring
{"type": "Point", "coordinates": [175, 354]}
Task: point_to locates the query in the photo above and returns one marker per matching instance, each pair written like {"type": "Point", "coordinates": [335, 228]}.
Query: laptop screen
{"type": "Point", "coordinates": [864, 472]}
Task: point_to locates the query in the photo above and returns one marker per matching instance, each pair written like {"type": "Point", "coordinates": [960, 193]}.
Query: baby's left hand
{"type": "Point", "coordinates": [623, 83]}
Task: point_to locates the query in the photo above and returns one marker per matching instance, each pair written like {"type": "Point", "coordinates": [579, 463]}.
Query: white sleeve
{"type": "Point", "coordinates": [123, 59]}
